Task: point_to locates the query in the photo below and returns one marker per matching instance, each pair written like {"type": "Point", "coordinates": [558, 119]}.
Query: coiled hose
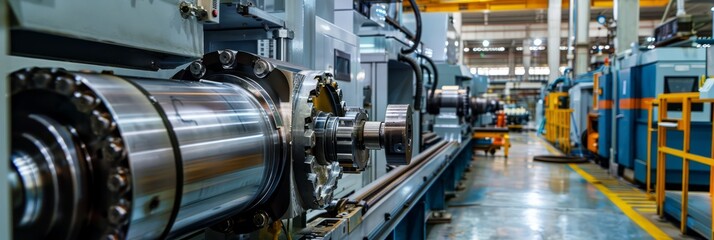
{"type": "Point", "coordinates": [419, 79]}
{"type": "Point", "coordinates": [417, 36]}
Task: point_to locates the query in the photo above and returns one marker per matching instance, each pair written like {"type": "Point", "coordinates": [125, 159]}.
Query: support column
{"type": "Point", "coordinates": [554, 19]}
{"type": "Point", "coordinates": [300, 18]}
{"type": "Point", "coordinates": [627, 15]}
{"type": "Point", "coordinates": [512, 62]}
{"type": "Point", "coordinates": [582, 41]}
{"type": "Point", "coordinates": [456, 17]}
{"type": "Point", "coordinates": [680, 8]}
{"type": "Point", "coordinates": [571, 33]}
{"type": "Point", "coordinates": [526, 57]}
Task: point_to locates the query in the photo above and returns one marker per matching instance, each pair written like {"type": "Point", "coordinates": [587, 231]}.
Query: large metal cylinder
{"type": "Point", "coordinates": [100, 156]}
{"type": "Point", "coordinates": [450, 97]}
{"type": "Point", "coordinates": [229, 146]}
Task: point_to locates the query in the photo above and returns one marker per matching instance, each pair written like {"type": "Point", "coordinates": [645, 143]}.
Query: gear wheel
{"type": "Point", "coordinates": [316, 99]}
{"type": "Point", "coordinates": [350, 150]}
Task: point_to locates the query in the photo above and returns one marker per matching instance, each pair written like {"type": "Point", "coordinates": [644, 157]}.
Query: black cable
{"type": "Point", "coordinates": [436, 73]}
{"type": "Point", "coordinates": [419, 79]}
{"type": "Point", "coordinates": [417, 37]}
{"type": "Point", "coordinates": [425, 69]}
{"type": "Point", "coordinates": [559, 159]}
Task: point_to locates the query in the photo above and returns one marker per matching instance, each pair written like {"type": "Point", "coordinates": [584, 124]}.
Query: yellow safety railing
{"type": "Point", "coordinates": [557, 122]}
{"type": "Point", "coordinates": [684, 125]}
{"type": "Point", "coordinates": [558, 128]}
{"type": "Point", "coordinates": [650, 130]}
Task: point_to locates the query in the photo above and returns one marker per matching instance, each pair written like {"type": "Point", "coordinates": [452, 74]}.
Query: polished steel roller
{"type": "Point", "coordinates": [450, 97]}
{"type": "Point", "coordinates": [233, 142]}
{"type": "Point", "coordinates": [153, 157]}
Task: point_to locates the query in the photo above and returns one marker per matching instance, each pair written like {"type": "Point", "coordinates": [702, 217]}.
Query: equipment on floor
{"type": "Point", "coordinates": [226, 120]}
{"type": "Point", "coordinates": [557, 120]}
{"type": "Point", "coordinates": [559, 159]}
{"type": "Point", "coordinates": [643, 76]}
{"type": "Point", "coordinates": [491, 139]}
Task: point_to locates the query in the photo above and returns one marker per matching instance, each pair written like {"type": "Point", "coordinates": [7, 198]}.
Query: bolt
{"type": "Point", "coordinates": [118, 181]}
{"type": "Point", "coordinates": [261, 68]}
{"type": "Point", "coordinates": [226, 57]}
{"type": "Point", "coordinates": [41, 79]}
{"type": "Point", "coordinates": [65, 85]}
{"type": "Point", "coordinates": [197, 69]}
{"type": "Point", "coordinates": [84, 102]}
{"type": "Point", "coordinates": [117, 214]}
{"type": "Point", "coordinates": [18, 81]}
{"type": "Point", "coordinates": [100, 124]}
{"type": "Point", "coordinates": [113, 149]}
{"type": "Point", "coordinates": [260, 219]}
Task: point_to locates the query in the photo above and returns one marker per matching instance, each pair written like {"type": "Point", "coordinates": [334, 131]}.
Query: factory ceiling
{"type": "Point", "coordinates": [511, 5]}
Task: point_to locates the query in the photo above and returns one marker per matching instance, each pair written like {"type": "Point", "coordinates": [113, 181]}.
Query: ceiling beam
{"type": "Point", "coordinates": [537, 30]}
{"type": "Point", "coordinates": [509, 5]}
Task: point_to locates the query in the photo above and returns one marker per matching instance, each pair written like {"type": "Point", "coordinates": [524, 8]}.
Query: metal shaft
{"type": "Point", "coordinates": [155, 158]}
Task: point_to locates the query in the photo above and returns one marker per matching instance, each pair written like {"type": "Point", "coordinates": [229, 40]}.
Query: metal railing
{"type": "Point", "coordinates": [684, 125]}
{"type": "Point", "coordinates": [650, 130]}
{"type": "Point", "coordinates": [557, 128]}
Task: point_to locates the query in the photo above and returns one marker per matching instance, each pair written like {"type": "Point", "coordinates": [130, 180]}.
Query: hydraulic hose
{"type": "Point", "coordinates": [419, 79]}
{"type": "Point", "coordinates": [436, 74]}
{"type": "Point", "coordinates": [425, 69]}
{"type": "Point", "coordinates": [417, 36]}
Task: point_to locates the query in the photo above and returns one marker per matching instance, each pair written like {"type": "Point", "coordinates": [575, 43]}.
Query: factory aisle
{"type": "Point", "coordinates": [516, 198]}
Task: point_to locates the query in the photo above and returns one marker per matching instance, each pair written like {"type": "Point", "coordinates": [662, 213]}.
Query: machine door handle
{"type": "Point", "coordinates": [620, 115]}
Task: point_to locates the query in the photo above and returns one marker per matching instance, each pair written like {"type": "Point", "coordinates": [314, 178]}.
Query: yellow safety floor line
{"type": "Point", "coordinates": [625, 205]}
{"type": "Point", "coordinates": [630, 200]}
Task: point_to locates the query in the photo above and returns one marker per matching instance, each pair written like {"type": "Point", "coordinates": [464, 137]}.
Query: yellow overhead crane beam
{"type": "Point", "coordinates": [509, 5]}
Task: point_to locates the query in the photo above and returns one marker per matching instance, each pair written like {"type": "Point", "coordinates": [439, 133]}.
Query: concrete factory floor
{"type": "Point", "coordinates": [516, 198]}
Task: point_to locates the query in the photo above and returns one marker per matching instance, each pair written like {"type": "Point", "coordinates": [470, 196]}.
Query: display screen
{"type": "Point", "coordinates": [679, 85]}
{"type": "Point", "coordinates": [342, 66]}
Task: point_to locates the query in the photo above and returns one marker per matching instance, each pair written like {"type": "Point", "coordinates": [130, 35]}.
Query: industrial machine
{"type": "Point", "coordinates": [223, 119]}
{"type": "Point", "coordinates": [601, 133]}
{"type": "Point", "coordinates": [642, 76]}
{"type": "Point", "coordinates": [169, 157]}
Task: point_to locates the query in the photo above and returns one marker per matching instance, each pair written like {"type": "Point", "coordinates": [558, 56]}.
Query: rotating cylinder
{"type": "Point", "coordinates": [348, 139]}
{"type": "Point", "coordinates": [450, 97]}
{"type": "Point", "coordinates": [101, 156]}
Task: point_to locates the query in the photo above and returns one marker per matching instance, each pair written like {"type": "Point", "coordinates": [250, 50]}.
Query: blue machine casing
{"type": "Point", "coordinates": [605, 114]}
{"type": "Point", "coordinates": [642, 77]}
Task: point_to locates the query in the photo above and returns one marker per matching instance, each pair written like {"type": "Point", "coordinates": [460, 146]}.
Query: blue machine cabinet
{"type": "Point", "coordinates": [642, 77]}
{"type": "Point", "coordinates": [605, 106]}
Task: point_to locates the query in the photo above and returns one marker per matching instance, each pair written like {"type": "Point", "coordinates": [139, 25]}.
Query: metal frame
{"type": "Point", "coordinates": [684, 125]}
{"type": "Point", "coordinates": [650, 130]}
{"type": "Point", "coordinates": [5, 224]}
{"type": "Point", "coordinates": [401, 213]}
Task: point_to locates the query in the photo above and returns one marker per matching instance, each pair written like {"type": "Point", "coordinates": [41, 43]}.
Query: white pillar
{"type": "Point", "coordinates": [680, 8]}
{"type": "Point", "coordinates": [582, 41]}
{"type": "Point", "coordinates": [526, 57]}
{"type": "Point", "coordinates": [512, 63]}
{"type": "Point", "coordinates": [627, 15]}
{"type": "Point", "coordinates": [554, 8]}
{"type": "Point", "coordinates": [571, 33]}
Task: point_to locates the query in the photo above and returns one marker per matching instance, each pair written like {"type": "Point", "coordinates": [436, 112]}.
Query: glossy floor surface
{"type": "Point", "coordinates": [516, 198]}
